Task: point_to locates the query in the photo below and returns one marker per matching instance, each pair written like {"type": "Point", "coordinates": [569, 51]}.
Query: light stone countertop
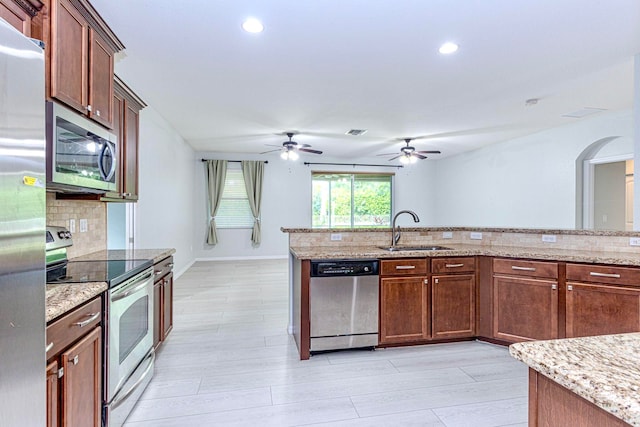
{"type": "Point", "coordinates": [153, 254]}
{"type": "Point", "coordinates": [61, 298]}
{"type": "Point", "coordinates": [373, 252]}
{"type": "Point", "coordinates": [604, 370]}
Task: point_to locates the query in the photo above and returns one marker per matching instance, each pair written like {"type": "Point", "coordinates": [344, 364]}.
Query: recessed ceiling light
{"type": "Point", "coordinates": [448, 48]}
{"type": "Point", "coordinates": [252, 25]}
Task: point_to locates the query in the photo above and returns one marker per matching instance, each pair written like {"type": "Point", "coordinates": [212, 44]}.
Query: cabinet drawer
{"type": "Point", "coordinates": [162, 268]}
{"type": "Point", "coordinates": [603, 274]}
{"type": "Point", "coordinates": [75, 324]}
{"type": "Point", "coordinates": [525, 268]}
{"type": "Point", "coordinates": [404, 267]}
{"type": "Point", "coordinates": [453, 265]}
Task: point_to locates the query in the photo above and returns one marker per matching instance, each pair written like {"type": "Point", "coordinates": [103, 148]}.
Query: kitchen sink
{"type": "Point", "coordinates": [414, 248]}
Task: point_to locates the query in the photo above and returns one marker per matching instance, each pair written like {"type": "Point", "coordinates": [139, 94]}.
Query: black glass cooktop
{"type": "Point", "coordinates": [113, 272]}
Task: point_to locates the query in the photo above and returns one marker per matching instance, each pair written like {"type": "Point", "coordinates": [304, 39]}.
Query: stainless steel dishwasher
{"type": "Point", "coordinates": [343, 300]}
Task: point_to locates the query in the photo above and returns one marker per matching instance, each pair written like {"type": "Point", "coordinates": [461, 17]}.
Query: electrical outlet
{"type": "Point", "coordinates": [83, 226]}
{"type": "Point", "coordinates": [634, 241]}
{"type": "Point", "coordinates": [72, 226]}
{"type": "Point", "coordinates": [549, 238]}
{"type": "Point", "coordinates": [336, 236]}
{"type": "Point", "coordinates": [447, 234]}
{"type": "Point", "coordinates": [475, 236]}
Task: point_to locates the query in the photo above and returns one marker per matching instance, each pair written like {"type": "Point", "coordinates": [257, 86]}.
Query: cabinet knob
{"type": "Point", "coordinates": [75, 360]}
{"type": "Point", "coordinates": [89, 108]}
{"type": "Point", "coordinates": [569, 288]}
{"type": "Point", "coordinates": [426, 281]}
{"type": "Point", "coordinates": [436, 280]}
{"type": "Point", "coordinates": [98, 113]}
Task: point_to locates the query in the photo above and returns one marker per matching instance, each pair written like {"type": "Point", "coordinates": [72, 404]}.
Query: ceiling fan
{"type": "Point", "coordinates": [409, 154]}
{"type": "Point", "coordinates": [290, 148]}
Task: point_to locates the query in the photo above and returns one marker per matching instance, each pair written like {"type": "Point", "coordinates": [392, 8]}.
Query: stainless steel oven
{"type": "Point", "coordinates": [129, 352]}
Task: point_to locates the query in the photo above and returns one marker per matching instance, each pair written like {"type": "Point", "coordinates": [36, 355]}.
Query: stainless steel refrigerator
{"type": "Point", "coordinates": [22, 231]}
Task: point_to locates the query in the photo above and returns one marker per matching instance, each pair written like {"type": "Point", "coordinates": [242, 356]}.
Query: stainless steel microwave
{"type": "Point", "coordinates": [82, 156]}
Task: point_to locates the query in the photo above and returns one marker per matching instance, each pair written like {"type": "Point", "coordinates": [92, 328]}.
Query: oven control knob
{"type": "Point", "coordinates": [61, 234]}
{"type": "Point", "coordinates": [67, 235]}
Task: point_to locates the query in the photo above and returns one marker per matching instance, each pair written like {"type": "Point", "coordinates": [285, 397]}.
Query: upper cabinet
{"type": "Point", "coordinates": [20, 13]}
{"type": "Point", "coordinates": [80, 50]}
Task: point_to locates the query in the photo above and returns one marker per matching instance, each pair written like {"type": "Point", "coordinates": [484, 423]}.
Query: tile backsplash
{"type": "Point", "coordinates": [59, 212]}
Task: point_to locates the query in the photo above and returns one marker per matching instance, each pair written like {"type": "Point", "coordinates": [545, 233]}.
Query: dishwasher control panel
{"type": "Point", "coordinates": [344, 268]}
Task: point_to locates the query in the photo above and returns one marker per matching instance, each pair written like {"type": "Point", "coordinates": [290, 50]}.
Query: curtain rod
{"type": "Point", "coordinates": [233, 161]}
{"type": "Point", "coordinates": [354, 165]}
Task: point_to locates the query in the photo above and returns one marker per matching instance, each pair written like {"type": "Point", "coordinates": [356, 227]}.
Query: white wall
{"type": "Point", "coordinates": [166, 175]}
{"type": "Point", "coordinates": [286, 202]}
{"type": "Point", "coordinates": [526, 182]}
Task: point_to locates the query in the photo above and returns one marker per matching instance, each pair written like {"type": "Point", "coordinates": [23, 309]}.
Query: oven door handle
{"type": "Point", "coordinates": [122, 396]}
{"type": "Point", "coordinates": [131, 289]}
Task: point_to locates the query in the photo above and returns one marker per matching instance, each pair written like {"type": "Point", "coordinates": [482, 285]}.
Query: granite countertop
{"type": "Point", "coordinates": [604, 370]}
{"type": "Point", "coordinates": [153, 254]}
{"type": "Point", "coordinates": [60, 298]}
{"type": "Point", "coordinates": [373, 252]}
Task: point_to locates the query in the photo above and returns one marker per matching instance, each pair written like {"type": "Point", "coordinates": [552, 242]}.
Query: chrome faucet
{"type": "Point", "coordinates": [395, 234]}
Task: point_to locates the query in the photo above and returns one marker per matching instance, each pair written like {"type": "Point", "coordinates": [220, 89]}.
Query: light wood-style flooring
{"type": "Point", "coordinates": [230, 362]}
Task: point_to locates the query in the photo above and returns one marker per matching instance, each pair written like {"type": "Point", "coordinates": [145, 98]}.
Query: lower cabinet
{"type": "Point", "coordinates": [74, 369]}
{"type": "Point", "coordinates": [162, 301]}
{"type": "Point", "coordinates": [453, 306]}
{"type": "Point", "coordinates": [404, 309]}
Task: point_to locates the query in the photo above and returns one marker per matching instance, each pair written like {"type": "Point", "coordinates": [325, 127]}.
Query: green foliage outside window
{"type": "Point", "coordinates": [351, 200]}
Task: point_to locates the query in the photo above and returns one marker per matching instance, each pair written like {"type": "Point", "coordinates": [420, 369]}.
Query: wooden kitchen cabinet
{"type": "Point", "coordinates": [602, 300]}
{"type": "Point", "coordinates": [525, 300]}
{"type": "Point", "coordinates": [74, 369]}
{"type": "Point", "coordinates": [80, 49]}
{"type": "Point", "coordinates": [163, 300]}
{"type": "Point", "coordinates": [20, 13]}
{"type": "Point", "coordinates": [453, 298]}
{"type": "Point", "coordinates": [404, 301]}
{"type": "Point", "coordinates": [126, 111]}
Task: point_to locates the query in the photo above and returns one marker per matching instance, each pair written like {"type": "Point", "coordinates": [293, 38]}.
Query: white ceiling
{"type": "Point", "coordinates": [322, 67]}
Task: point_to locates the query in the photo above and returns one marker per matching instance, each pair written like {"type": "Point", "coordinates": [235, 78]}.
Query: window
{"type": "Point", "coordinates": [350, 200]}
{"type": "Point", "coordinates": [234, 210]}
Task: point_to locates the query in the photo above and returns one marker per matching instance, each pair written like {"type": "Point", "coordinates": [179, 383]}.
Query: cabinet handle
{"type": "Point", "coordinates": [515, 267]}
{"type": "Point", "coordinates": [126, 194]}
{"type": "Point", "coordinates": [554, 287]}
{"type": "Point", "coordinates": [170, 265]}
{"type": "Point", "coordinates": [436, 280]}
{"type": "Point", "coordinates": [48, 347]}
{"type": "Point", "coordinates": [75, 360]}
{"type": "Point", "coordinates": [98, 113]}
{"type": "Point", "coordinates": [569, 288]}
{"type": "Point", "coordinates": [612, 275]}
{"type": "Point", "coordinates": [157, 273]}
{"type": "Point", "coordinates": [405, 267]}
{"type": "Point", "coordinates": [89, 108]}
{"type": "Point", "coordinates": [92, 317]}
{"type": "Point", "coordinates": [454, 265]}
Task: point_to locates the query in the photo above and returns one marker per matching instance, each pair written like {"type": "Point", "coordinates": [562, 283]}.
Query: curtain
{"type": "Point", "coordinates": [253, 172]}
{"type": "Point", "coordinates": [216, 174]}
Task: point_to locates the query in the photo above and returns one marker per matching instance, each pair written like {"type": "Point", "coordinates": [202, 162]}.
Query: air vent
{"type": "Point", "coordinates": [587, 111]}
{"type": "Point", "coordinates": [356, 132]}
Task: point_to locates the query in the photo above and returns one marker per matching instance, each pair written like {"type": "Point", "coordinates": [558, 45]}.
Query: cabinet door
{"type": "Point", "coordinates": [157, 313]}
{"type": "Point", "coordinates": [69, 47]}
{"type": "Point", "coordinates": [100, 80]}
{"type": "Point", "coordinates": [453, 306]}
{"type": "Point", "coordinates": [167, 302]}
{"type": "Point", "coordinates": [524, 309]}
{"type": "Point", "coordinates": [118, 126]}
{"type": "Point", "coordinates": [52, 394]}
{"type": "Point", "coordinates": [601, 309]}
{"type": "Point", "coordinates": [17, 17]}
{"type": "Point", "coordinates": [130, 158]}
{"type": "Point", "coordinates": [404, 314]}
{"type": "Point", "coordinates": [81, 382]}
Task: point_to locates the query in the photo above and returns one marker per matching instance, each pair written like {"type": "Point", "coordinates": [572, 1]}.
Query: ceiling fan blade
{"type": "Point", "coordinates": [271, 151]}
{"type": "Point", "coordinates": [428, 152]}
{"type": "Point", "coordinates": [420, 156]}
{"type": "Point", "coordinates": [393, 158]}
{"type": "Point", "coordinates": [306, 150]}
{"type": "Point", "coordinates": [303, 146]}
{"type": "Point", "coordinates": [273, 145]}
{"type": "Point", "coordinates": [386, 154]}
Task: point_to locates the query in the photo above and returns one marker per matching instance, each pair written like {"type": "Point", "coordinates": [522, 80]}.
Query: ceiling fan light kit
{"type": "Point", "coordinates": [290, 148]}
{"type": "Point", "coordinates": [289, 155]}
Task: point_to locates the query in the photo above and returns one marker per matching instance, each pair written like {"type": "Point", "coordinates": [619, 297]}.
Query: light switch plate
{"type": "Point", "coordinates": [336, 236]}
{"type": "Point", "coordinates": [447, 234]}
{"type": "Point", "coordinates": [83, 226]}
{"type": "Point", "coordinates": [72, 226]}
{"type": "Point", "coordinates": [549, 238]}
{"type": "Point", "coordinates": [475, 236]}
{"type": "Point", "coordinates": [634, 241]}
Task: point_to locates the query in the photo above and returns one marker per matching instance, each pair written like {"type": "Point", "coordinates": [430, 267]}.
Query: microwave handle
{"type": "Point", "coordinates": [107, 175]}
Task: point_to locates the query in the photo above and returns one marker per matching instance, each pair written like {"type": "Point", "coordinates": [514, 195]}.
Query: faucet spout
{"type": "Point", "coordinates": [395, 233]}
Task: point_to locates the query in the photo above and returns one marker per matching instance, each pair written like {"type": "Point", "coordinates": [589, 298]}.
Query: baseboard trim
{"type": "Point", "coordinates": [183, 270]}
